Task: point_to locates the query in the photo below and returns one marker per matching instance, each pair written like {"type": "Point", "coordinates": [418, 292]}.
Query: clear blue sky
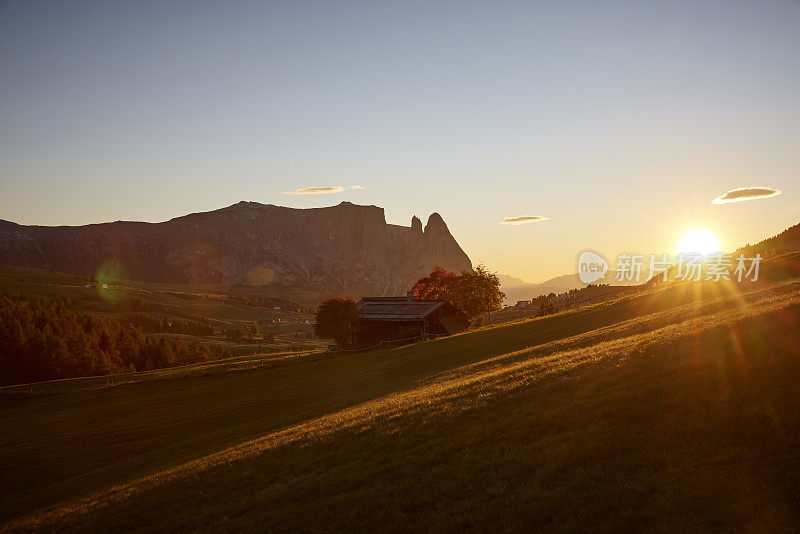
{"type": "Point", "coordinates": [619, 121]}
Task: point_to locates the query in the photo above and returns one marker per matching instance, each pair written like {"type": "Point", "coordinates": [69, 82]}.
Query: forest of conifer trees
{"type": "Point", "coordinates": [43, 339]}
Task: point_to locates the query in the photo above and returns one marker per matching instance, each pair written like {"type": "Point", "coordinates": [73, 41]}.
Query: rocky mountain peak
{"type": "Point", "coordinates": [436, 225]}
{"type": "Point", "coordinates": [416, 225]}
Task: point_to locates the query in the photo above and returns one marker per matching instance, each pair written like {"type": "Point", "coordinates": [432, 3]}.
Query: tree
{"type": "Point", "coordinates": [474, 292]}
{"type": "Point", "coordinates": [235, 335]}
{"type": "Point", "coordinates": [439, 285]}
{"type": "Point", "coordinates": [478, 294]}
{"type": "Point", "coordinates": [337, 318]}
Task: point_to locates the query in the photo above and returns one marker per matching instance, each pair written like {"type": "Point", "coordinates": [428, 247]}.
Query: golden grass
{"type": "Point", "coordinates": [434, 435]}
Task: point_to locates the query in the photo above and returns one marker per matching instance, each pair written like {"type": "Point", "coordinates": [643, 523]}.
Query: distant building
{"type": "Point", "coordinates": [399, 318]}
{"type": "Point", "coordinates": [523, 304]}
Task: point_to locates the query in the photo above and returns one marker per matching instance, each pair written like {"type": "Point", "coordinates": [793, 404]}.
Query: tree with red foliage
{"type": "Point", "coordinates": [438, 285]}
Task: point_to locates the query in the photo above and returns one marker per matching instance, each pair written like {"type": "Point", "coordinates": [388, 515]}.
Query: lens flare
{"type": "Point", "coordinates": [107, 279]}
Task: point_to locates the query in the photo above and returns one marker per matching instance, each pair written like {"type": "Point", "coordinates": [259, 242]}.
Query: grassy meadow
{"type": "Point", "coordinates": [676, 408]}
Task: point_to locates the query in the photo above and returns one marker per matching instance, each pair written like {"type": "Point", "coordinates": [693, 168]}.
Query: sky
{"type": "Point", "coordinates": [616, 124]}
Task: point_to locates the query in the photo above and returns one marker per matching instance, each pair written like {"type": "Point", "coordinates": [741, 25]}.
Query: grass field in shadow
{"type": "Point", "coordinates": [674, 408]}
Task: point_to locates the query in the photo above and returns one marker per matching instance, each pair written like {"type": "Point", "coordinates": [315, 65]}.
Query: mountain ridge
{"type": "Point", "coordinates": [347, 248]}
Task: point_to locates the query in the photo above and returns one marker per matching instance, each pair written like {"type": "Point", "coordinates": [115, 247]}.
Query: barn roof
{"type": "Point", "coordinates": [397, 308]}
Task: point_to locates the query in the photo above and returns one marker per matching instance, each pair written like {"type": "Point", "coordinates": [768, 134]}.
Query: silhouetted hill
{"type": "Point", "coordinates": [786, 241]}
{"type": "Point", "coordinates": [345, 248]}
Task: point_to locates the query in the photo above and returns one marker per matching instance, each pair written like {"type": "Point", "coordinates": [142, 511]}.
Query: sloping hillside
{"type": "Point", "coordinates": [786, 241]}
{"type": "Point", "coordinates": [673, 409]}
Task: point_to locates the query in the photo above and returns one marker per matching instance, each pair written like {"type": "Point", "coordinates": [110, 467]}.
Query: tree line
{"type": "Point", "coordinates": [248, 334]}
{"type": "Point", "coordinates": [154, 325]}
{"type": "Point", "coordinates": [43, 339]}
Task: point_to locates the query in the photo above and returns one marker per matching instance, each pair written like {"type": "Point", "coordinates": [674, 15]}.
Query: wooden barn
{"type": "Point", "coordinates": [397, 318]}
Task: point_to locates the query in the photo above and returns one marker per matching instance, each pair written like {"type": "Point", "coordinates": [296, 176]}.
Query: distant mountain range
{"type": "Point", "coordinates": [516, 291]}
{"type": "Point", "coordinates": [786, 242]}
{"type": "Point", "coordinates": [347, 249]}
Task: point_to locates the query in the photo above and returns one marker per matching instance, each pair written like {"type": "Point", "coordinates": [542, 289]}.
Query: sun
{"type": "Point", "coordinates": [698, 241]}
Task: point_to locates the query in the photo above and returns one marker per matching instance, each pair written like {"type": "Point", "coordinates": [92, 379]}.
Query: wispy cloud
{"type": "Point", "coordinates": [316, 190]}
{"type": "Point", "coordinates": [357, 187]}
{"type": "Point", "coordinates": [745, 193]}
{"type": "Point", "coordinates": [525, 219]}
